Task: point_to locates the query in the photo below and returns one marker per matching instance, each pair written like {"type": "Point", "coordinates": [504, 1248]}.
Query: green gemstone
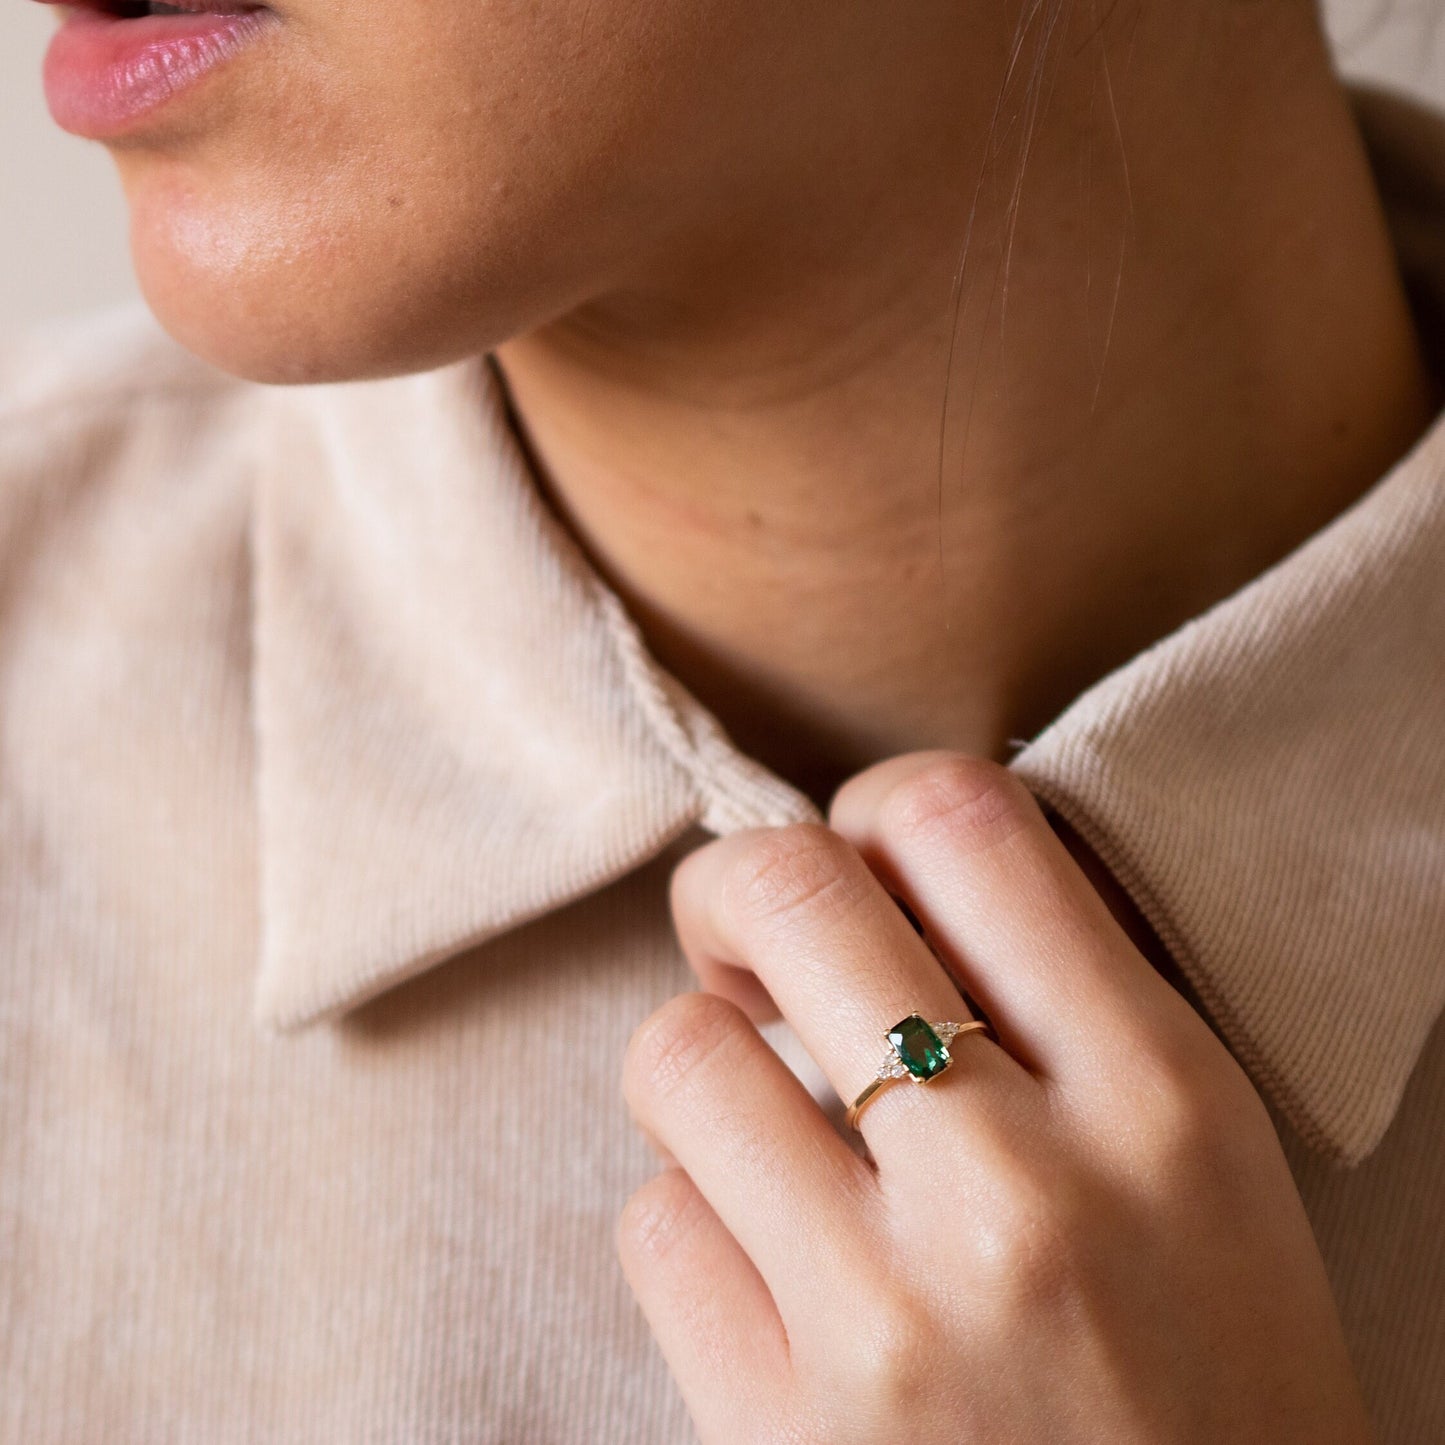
{"type": "Point", "coordinates": [921, 1050]}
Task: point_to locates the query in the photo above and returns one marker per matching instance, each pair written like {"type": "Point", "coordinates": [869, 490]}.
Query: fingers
{"type": "Point", "coordinates": [1006, 905]}
{"type": "Point", "coordinates": [702, 1082]}
{"type": "Point", "coordinates": [801, 908]}
{"type": "Point", "coordinates": [704, 1300]}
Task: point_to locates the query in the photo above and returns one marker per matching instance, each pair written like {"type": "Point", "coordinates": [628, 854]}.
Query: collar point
{"type": "Point", "coordinates": [275, 1014]}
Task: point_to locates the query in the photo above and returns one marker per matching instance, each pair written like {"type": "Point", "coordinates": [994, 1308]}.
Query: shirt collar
{"type": "Point", "coordinates": [459, 728]}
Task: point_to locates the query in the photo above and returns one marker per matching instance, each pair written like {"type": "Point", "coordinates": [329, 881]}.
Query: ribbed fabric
{"type": "Point", "coordinates": [1318, 692]}
{"type": "Point", "coordinates": [338, 799]}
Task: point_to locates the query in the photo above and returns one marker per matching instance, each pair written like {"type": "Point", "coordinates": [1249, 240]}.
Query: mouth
{"type": "Point", "coordinates": [113, 64]}
{"type": "Point", "coordinates": [145, 9]}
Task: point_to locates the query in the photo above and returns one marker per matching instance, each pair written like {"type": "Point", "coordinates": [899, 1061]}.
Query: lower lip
{"type": "Point", "coordinates": [104, 75]}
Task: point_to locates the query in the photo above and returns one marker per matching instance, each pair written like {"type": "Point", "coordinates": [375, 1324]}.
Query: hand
{"type": "Point", "coordinates": [1084, 1231]}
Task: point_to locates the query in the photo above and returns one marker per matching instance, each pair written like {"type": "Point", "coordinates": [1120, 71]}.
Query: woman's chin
{"type": "Point", "coordinates": [268, 329]}
{"type": "Point", "coordinates": [224, 334]}
{"type": "Point", "coordinates": [290, 304]}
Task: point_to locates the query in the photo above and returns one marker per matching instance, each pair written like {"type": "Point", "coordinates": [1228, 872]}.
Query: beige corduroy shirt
{"type": "Point", "coordinates": [338, 798]}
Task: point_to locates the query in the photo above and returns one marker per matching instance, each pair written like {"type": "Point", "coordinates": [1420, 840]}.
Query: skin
{"type": "Point", "coordinates": [1084, 1231]}
{"type": "Point", "coordinates": [714, 247]}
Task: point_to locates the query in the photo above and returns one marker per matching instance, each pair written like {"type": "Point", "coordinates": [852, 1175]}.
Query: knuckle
{"type": "Point", "coordinates": [799, 1422]}
{"type": "Point", "coordinates": [678, 1040]}
{"type": "Point", "coordinates": [894, 1353]}
{"type": "Point", "coordinates": [658, 1217]}
{"type": "Point", "coordinates": [1029, 1246]}
{"type": "Point", "coordinates": [974, 801]}
{"type": "Point", "coordinates": [1043, 1265]}
{"type": "Point", "coordinates": [803, 870]}
{"type": "Point", "coordinates": [1183, 1098]}
{"type": "Point", "coordinates": [1195, 1118]}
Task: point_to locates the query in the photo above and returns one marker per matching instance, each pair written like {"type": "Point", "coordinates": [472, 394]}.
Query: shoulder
{"type": "Point", "coordinates": [122, 455]}
{"type": "Point", "coordinates": [107, 404]}
{"type": "Point", "coordinates": [108, 396]}
{"type": "Point", "coordinates": [115, 356]}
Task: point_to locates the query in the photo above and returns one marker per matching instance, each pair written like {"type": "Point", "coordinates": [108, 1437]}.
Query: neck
{"type": "Point", "coordinates": [909, 455]}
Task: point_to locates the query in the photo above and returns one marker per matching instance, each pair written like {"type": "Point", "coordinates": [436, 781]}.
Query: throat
{"type": "Point", "coordinates": [837, 576]}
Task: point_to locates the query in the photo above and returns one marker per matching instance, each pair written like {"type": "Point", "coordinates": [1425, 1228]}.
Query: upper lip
{"type": "Point", "coordinates": [199, 7]}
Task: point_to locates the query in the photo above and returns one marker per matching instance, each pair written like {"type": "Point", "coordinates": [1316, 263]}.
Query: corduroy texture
{"type": "Point", "coordinates": [338, 798]}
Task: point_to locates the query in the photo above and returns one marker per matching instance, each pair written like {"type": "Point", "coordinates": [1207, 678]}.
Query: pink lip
{"type": "Point", "coordinates": [104, 75]}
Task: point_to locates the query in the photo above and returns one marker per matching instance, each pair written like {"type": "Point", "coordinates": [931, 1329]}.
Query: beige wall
{"type": "Point", "coordinates": [62, 224]}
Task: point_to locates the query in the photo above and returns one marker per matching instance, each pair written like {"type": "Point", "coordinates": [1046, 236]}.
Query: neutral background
{"type": "Point", "coordinates": [62, 224]}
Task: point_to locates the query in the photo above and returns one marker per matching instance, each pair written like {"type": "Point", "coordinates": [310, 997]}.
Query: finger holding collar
{"type": "Point", "coordinates": [1012, 914]}
{"type": "Point", "coordinates": [799, 907]}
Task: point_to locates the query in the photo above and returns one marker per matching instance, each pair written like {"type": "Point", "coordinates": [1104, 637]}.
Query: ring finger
{"type": "Point", "coordinates": [800, 907]}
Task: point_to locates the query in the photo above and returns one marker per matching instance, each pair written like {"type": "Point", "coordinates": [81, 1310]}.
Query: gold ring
{"type": "Point", "coordinates": [918, 1051]}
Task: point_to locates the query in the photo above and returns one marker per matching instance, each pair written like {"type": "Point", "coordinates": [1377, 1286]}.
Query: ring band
{"type": "Point", "coordinates": [918, 1050]}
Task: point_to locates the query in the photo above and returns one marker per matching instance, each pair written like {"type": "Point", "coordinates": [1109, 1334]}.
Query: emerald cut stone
{"type": "Point", "coordinates": [921, 1050]}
